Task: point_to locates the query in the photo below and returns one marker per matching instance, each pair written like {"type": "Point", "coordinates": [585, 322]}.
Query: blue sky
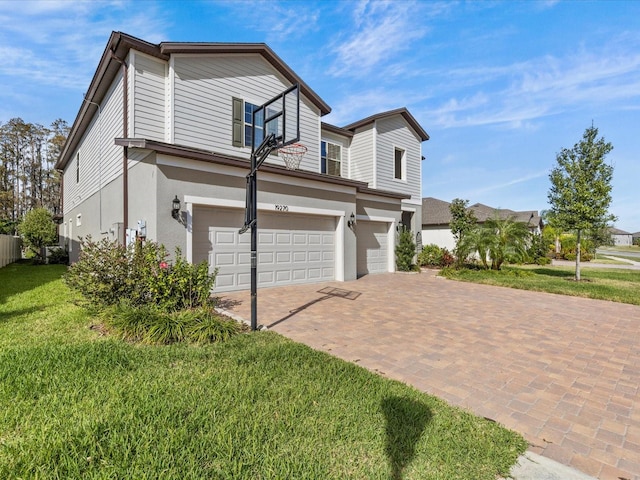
{"type": "Point", "coordinates": [500, 86]}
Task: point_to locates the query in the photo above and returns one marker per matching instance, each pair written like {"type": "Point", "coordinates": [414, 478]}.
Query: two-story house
{"type": "Point", "coordinates": [170, 123]}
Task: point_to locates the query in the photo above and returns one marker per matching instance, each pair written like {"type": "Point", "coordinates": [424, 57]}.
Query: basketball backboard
{"type": "Point", "coordinates": [280, 116]}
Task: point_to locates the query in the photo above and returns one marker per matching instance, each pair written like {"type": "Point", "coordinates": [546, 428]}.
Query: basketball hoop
{"type": "Point", "coordinates": [292, 155]}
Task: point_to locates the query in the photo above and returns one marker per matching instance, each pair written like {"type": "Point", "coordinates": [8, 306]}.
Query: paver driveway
{"type": "Point", "coordinates": [563, 371]}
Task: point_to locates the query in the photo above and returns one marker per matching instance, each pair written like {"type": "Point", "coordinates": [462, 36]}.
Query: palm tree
{"type": "Point", "coordinates": [507, 239]}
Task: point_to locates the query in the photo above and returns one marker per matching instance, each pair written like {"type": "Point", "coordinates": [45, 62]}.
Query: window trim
{"type": "Point", "coordinates": [403, 164]}
{"type": "Point", "coordinates": [325, 159]}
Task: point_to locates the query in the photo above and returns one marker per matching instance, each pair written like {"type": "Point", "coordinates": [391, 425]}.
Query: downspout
{"type": "Point", "coordinates": [125, 134]}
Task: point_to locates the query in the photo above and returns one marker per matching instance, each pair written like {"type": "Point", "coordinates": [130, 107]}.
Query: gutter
{"type": "Point", "coordinates": [125, 132]}
{"type": "Point", "coordinates": [213, 157]}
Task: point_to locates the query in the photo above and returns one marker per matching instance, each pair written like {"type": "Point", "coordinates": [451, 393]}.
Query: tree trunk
{"type": "Point", "coordinates": [578, 255]}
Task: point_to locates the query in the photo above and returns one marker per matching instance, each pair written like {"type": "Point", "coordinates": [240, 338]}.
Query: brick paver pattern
{"type": "Point", "coordinates": [562, 371]}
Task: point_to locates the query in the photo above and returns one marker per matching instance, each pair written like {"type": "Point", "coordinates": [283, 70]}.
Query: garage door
{"type": "Point", "coordinates": [291, 248]}
{"type": "Point", "coordinates": [373, 247]}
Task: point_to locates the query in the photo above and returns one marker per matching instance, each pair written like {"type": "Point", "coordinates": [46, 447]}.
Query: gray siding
{"type": "Point", "coordinates": [100, 158]}
{"type": "Point", "coordinates": [203, 89]}
{"type": "Point", "coordinates": [361, 155]}
{"type": "Point", "coordinates": [395, 132]}
{"type": "Point", "coordinates": [148, 99]}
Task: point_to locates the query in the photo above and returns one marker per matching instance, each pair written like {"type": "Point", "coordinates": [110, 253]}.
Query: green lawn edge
{"type": "Point", "coordinates": [616, 285]}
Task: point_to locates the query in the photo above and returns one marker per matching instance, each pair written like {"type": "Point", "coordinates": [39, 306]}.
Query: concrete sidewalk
{"type": "Point", "coordinates": [562, 371]}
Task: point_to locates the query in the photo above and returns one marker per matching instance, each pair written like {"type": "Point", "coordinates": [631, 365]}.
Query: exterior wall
{"type": "Point", "coordinates": [395, 132]}
{"type": "Point", "coordinates": [361, 155]}
{"type": "Point", "coordinates": [379, 207]}
{"type": "Point", "coordinates": [203, 88]}
{"type": "Point", "coordinates": [223, 184]}
{"type": "Point", "coordinates": [144, 204]}
{"type": "Point", "coordinates": [100, 158]}
{"type": "Point", "coordinates": [100, 217]}
{"type": "Point", "coordinates": [147, 99]}
{"type": "Point", "coordinates": [622, 240]}
{"type": "Point", "coordinates": [440, 236]}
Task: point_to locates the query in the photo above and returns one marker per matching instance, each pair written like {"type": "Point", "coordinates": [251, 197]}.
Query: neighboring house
{"type": "Point", "coordinates": [173, 120]}
{"type": "Point", "coordinates": [620, 237]}
{"type": "Point", "coordinates": [436, 216]}
{"type": "Point", "coordinates": [635, 237]}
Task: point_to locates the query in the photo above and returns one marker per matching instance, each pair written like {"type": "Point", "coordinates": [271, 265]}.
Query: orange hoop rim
{"type": "Point", "coordinates": [292, 155]}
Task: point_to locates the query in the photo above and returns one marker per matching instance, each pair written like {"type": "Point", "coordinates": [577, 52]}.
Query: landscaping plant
{"type": "Point", "coordinates": [405, 251]}
{"type": "Point", "coordinates": [580, 192]}
{"type": "Point", "coordinates": [38, 230]}
{"type": "Point", "coordinates": [144, 296]}
{"type": "Point", "coordinates": [434, 256]}
{"type": "Point", "coordinates": [107, 272]}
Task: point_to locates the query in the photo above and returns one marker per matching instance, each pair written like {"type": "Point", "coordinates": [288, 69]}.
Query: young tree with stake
{"type": "Point", "coordinates": [580, 192]}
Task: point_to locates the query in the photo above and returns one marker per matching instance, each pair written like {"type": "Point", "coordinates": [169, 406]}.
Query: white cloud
{"type": "Point", "coordinates": [383, 30]}
{"type": "Point", "coordinates": [69, 38]}
{"type": "Point", "coordinates": [542, 87]}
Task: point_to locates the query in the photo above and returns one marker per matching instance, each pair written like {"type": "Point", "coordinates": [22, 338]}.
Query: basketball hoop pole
{"type": "Point", "coordinates": [257, 159]}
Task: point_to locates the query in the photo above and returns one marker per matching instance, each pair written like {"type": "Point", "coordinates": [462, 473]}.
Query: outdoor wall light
{"type": "Point", "coordinates": [175, 207]}
{"type": "Point", "coordinates": [352, 221]}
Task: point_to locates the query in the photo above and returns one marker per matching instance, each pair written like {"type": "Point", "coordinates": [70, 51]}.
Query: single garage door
{"type": "Point", "coordinates": [372, 247]}
{"type": "Point", "coordinates": [292, 248]}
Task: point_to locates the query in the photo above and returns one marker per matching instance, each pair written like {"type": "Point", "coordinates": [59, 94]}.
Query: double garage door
{"type": "Point", "coordinates": [292, 248]}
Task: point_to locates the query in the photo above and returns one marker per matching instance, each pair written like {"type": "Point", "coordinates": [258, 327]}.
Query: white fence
{"type": "Point", "coordinates": [9, 249]}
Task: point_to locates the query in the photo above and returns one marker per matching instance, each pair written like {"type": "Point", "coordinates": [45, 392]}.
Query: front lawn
{"type": "Point", "coordinates": [75, 403]}
{"type": "Point", "coordinates": [617, 285]}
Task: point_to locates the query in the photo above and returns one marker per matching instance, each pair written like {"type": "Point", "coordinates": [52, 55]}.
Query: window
{"type": "Point", "coordinates": [249, 108]}
{"type": "Point", "coordinates": [399, 167]}
{"type": "Point", "coordinates": [242, 120]}
{"type": "Point", "coordinates": [330, 158]}
{"type": "Point", "coordinates": [78, 220]}
{"type": "Point", "coordinates": [78, 167]}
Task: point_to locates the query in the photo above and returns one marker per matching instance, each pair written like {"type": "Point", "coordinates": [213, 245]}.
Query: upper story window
{"type": "Point", "coordinates": [248, 121]}
{"type": "Point", "coordinates": [399, 164]}
{"type": "Point", "coordinates": [330, 158]}
{"type": "Point", "coordinates": [242, 134]}
{"type": "Point", "coordinates": [78, 167]}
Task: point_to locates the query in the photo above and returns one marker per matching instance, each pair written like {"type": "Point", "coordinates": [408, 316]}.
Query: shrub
{"type": "Point", "coordinates": [107, 272]}
{"type": "Point", "coordinates": [150, 324]}
{"type": "Point", "coordinates": [58, 256]}
{"type": "Point", "coordinates": [37, 229]}
{"type": "Point", "coordinates": [434, 256]}
{"type": "Point", "coordinates": [430, 256]}
{"type": "Point", "coordinates": [405, 251]}
{"type": "Point", "coordinates": [542, 261]}
{"type": "Point", "coordinates": [584, 256]}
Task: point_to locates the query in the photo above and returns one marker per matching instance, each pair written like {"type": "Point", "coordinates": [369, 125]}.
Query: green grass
{"type": "Point", "coordinates": [78, 404]}
{"type": "Point", "coordinates": [603, 284]}
{"type": "Point", "coordinates": [602, 259]}
{"type": "Point", "coordinates": [622, 248]}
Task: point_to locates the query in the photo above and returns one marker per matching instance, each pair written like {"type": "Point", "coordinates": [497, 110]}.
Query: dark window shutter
{"type": "Point", "coordinates": [238, 122]}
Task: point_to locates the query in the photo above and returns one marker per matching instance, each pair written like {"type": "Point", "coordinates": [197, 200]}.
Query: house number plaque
{"type": "Point", "coordinates": [282, 208]}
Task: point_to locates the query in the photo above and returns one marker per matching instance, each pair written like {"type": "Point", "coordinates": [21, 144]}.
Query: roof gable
{"type": "Point", "coordinates": [424, 136]}
{"type": "Point", "coordinates": [116, 51]}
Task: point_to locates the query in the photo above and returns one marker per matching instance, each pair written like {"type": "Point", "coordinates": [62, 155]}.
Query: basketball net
{"type": "Point", "coordinates": [292, 155]}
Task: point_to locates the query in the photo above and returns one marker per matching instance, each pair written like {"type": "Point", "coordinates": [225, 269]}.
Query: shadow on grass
{"type": "Point", "coordinates": [550, 272]}
{"type": "Point", "coordinates": [406, 421]}
{"type": "Point", "coordinates": [5, 316]}
{"type": "Point", "coordinates": [22, 276]}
